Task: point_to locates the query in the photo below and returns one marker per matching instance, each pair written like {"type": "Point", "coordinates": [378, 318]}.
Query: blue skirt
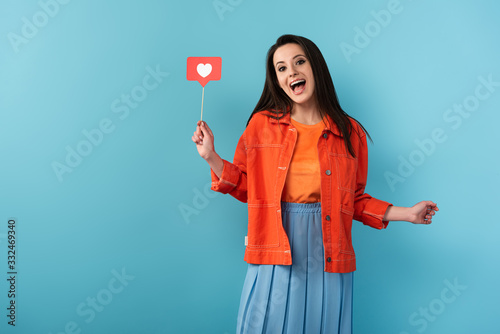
{"type": "Point", "coordinates": [301, 298]}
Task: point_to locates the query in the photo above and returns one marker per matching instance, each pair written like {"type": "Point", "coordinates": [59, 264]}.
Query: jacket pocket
{"type": "Point", "coordinates": [345, 240]}
{"type": "Point", "coordinates": [262, 167]}
{"type": "Point", "coordinates": [346, 167]}
{"type": "Point", "coordinates": [263, 225]}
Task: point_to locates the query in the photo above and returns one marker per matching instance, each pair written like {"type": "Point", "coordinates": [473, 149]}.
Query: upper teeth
{"type": "Point", "coordinates": [297, 82]}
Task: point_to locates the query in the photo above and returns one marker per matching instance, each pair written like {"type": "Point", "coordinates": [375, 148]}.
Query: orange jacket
{"type": "Point", "coordinates": [257, 176]}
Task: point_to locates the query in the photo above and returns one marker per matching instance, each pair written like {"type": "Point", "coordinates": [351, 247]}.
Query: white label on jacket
{"type": "Point", "coordinates": [246, 240]}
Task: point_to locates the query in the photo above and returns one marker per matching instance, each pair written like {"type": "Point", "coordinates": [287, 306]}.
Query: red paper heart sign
{"type": "Point", "coordinates": [203, 69]}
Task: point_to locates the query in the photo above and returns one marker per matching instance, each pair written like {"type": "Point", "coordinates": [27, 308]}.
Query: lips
{"type": "Point", "coordinates": [297, 86]}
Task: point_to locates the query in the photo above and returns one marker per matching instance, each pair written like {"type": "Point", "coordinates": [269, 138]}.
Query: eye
{"type": "Point", "coordinates": [281, 68]}
{"type": "Point", "coordinates": [301, 61]}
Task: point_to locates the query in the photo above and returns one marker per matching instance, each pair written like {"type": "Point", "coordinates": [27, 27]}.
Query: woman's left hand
{"type": "Point", "coordinates": [422, 212]}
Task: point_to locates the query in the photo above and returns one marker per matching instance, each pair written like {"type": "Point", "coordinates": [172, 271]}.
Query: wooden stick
{"type": "Point", "coordinates": [202, 97]}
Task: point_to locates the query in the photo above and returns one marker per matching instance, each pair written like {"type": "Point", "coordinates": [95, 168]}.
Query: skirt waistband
{"type": "Point", "coordinates": [301, 207]}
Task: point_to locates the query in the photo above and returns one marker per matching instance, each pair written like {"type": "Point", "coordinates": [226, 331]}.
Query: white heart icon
{"type": "Point", "coordinates": [204, 69]}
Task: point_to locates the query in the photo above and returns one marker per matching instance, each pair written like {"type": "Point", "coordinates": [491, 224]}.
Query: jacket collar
{"type": "Point", "coordinates": [330, 126]}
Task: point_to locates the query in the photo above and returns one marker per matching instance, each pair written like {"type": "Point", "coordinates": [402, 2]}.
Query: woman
{"type": "Point", "coordinates": [301, 165]}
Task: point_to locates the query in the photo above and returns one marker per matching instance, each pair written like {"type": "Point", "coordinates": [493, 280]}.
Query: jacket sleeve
{"type": "Point", "coordinates": [368, 210]}
{"type": "Point", "coordinates": [233, 179]}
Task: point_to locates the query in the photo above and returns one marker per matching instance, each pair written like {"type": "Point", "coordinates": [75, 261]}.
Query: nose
{"type": "Point", "coordinates": [293, 71]}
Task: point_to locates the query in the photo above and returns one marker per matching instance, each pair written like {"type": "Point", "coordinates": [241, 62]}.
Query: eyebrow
{"type": "Point", "coordinates": [281, 61]}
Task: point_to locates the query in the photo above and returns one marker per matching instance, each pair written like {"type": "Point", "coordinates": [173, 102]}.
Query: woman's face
{"type": "Point", "coordinates": [294, 73]}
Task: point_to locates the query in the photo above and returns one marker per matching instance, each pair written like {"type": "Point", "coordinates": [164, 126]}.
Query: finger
{"type": "Point", "coordinates": [433, 208]}
{"type": "Point", "coordinates": [205, 132]}
{"type": "Point", "coordinates": [198, 132]}
{"type": "Point", "coordinates": [195, 140]}
{"type": "Point", "coordinates": [206, 128]}
{"type": "Point", "coordinates": [430, 203]}
{"type": "Point", "coordinates": [199, 129]}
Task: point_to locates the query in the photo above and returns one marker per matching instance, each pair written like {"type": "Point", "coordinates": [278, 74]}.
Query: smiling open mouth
{"type": "Point", "coordinates": [298, 86]}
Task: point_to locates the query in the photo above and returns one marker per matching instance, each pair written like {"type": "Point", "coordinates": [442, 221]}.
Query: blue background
{"type": "Point", "coordinates": [137, 203]}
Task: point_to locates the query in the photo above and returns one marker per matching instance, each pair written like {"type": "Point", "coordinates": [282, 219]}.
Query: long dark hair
{"type": "Point", "coordinates": [277, 102]}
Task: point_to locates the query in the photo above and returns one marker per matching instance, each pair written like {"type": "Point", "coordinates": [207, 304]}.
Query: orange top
{"type": "Point", "coordinates": [303, 180]}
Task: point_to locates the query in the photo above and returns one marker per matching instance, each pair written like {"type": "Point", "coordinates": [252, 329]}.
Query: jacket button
{"type": "Point", "coordinates": [329, 259]}
{"type": "Point", "coordinates": [325, 136]}
{"type": "Point", "coordinates": [327, 217]}
{"type": "Point", "coordinates": [328, 172]}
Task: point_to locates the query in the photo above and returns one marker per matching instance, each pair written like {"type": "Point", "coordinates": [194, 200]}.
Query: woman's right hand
{"type": "Point", "coordinates": [204, 140]}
